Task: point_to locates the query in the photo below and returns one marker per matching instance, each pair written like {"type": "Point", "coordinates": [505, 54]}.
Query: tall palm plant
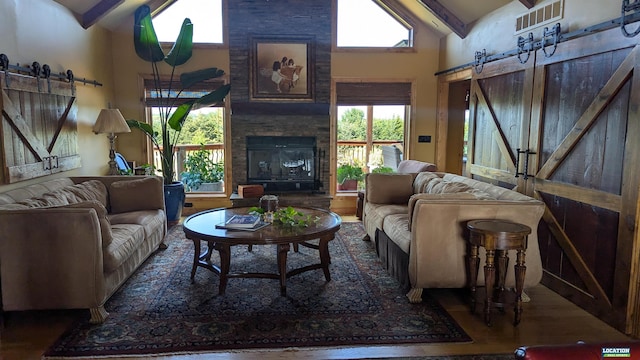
{"type": "Point", "coordinates": [173, 110]}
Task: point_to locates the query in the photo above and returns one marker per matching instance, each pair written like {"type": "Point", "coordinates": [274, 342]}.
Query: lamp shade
{"type": "Point", "coordinates": [110, 121]}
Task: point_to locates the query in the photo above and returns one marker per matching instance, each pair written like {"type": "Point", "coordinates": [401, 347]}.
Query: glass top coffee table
{"type": "Point", "coordinates": [202, 227]}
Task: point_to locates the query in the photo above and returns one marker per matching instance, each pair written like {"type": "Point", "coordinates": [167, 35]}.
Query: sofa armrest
{"type": "Point", "coordinates": [51, 258]}
{"type": "Point", "coordinates": [439, 237]}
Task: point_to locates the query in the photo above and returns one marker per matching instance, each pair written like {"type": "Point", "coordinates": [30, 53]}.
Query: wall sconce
{"type": "Point", "coordinates": [111, 122]}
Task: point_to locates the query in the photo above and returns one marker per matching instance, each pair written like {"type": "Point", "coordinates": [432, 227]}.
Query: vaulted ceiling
{"type": "Point", "coordinates": [442, 16]}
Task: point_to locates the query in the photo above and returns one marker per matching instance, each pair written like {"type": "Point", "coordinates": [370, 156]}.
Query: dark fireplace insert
{"type": "Point", "coordinates": [283, 163]}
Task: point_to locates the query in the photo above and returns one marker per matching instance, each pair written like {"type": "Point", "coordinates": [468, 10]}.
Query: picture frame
{"type": "Point", "coordinates": [282, 68]}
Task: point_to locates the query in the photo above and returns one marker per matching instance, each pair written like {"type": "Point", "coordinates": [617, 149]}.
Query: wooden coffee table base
{"type": "Point", "coordinates": [224, 251]}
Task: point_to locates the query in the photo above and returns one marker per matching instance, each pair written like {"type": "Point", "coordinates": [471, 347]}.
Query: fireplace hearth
{"type": "Point", "coordinates": [284, 163]}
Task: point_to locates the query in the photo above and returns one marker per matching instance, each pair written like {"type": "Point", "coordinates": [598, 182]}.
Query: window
{"type": "Point", "coordinates": [364, 23]}
{"type": "Point", "coordinates": [206, 16]}
{"type": "Point", "coordinates": [370, 116]}
{"type": "Point", "coordinates": [203, 130]}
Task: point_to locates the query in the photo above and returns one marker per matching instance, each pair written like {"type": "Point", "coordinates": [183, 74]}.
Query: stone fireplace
{"type": "Point", "coordinates": [280, 119]}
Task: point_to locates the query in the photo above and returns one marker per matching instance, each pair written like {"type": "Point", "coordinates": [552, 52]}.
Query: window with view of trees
{"type": "Point", "coordinates": [369, 115]}
{"type": "Point", "coordinates": [363, 130]}
{"type": "Point", "coordinates": [202, 136]}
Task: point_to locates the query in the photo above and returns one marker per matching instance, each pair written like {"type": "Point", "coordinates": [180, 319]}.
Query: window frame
{"type": "Point", "coordinates": [408, 125]}
{"type": "Point", "coordinates": [395, 10]}
{"type": "Point", "coordinates": [225, 29]}
{"type": "Point", "coordinates": [150, 148]}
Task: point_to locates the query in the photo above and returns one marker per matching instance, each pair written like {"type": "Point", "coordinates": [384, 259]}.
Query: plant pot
{"type": "Point", "coordinates": [215, 186]}
{"type": "Point", "coordinates": [174, 201]}
{"type": "Point", "coordinates": [348, 185]}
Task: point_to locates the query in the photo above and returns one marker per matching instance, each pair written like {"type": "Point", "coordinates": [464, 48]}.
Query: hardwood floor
{"type": "Point", "coordinates": [547, 319]}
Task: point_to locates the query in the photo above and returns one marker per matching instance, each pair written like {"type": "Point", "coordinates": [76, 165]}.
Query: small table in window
{"type": "Point", "coordinates": [497, 236]}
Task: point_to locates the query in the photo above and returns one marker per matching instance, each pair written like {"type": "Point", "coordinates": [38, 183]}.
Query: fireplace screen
{"type": "Point", "coordinates": [282, 163]}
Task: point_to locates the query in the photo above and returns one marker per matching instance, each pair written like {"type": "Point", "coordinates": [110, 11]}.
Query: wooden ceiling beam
{"type": "Point", "coordinates": [443, 14]}
{"type": "Point", "coordinates": [528, 3]}
{"type": "Point", "coordinates": [98, 11]}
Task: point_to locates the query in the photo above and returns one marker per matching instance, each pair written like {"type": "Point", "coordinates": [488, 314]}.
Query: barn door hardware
{"type": "Point", "coordinates": [631, 8]}
{"type": "Point", "coordinates": [525, 45]}
{"type": "Point", "coordinates": [622, 21]}
{"type": "Point", "coordinates": [50, 162]}
{"type": "Point", "coordinates": [525, 174]}
{"type": "Point", "coordinates": [552, 35]}
{"type": "Point", "coordinates": [43, 71]}
{"type": "Point", "coordinates": [480, 59]}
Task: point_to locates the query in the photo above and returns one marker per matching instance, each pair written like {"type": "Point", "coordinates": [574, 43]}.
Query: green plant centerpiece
{"type": "Point", "coordinates": [288, 217]}
{"type": "Point", "coordinates": [200, 169]}
{"type": "Point", "coordinates": [173, 110]}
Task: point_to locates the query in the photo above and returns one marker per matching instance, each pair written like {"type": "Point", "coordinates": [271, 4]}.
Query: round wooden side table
{"type": "Point", "coordinates": [497, 236]}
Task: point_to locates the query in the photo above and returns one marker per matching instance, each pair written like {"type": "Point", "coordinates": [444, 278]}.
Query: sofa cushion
{"type": "Point", "coordinates": [133, 195]}
{"type": "Point", "coordinates": [422, 180]}
{"type": "Point", "coordinates": [150, 220]}
{"type": "Point", "coordinates": [86, 191]}
{"type": "Point", "coordinates": [397, 229]}
{"type": "Point", "coordinates": [126, 240]}
{"type": "Point", "coordinates": [380, 194]}
{"type": "Point", "coordinates": [89, 190]}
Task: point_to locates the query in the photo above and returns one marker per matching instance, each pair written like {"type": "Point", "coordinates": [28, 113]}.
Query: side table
{"type": "Point", "coordinates": [497, 236]}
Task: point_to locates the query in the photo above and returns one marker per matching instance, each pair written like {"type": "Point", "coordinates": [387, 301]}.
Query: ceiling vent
{"type": "Point", "coordinates": [538, 16]}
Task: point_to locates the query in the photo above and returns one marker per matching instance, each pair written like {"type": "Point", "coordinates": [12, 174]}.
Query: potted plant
{"type": "Point", "coordinates": [173, 110]}
{"type": "Point", "coordinates": [348, 176]}
{"type": "Point", "coordinates": [201, 173]}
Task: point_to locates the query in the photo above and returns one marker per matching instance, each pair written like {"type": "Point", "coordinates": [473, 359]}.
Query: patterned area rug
{"type": "Point", "coordinates": [159, 310]}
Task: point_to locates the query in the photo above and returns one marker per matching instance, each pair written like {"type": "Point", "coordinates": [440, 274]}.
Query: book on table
{"type": "Point", "coordinates": [242, 222]}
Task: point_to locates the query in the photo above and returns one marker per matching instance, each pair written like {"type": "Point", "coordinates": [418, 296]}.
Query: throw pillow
{"type": "Point", "coordinates": [134, 195]}
{"type": "Point", "coordinates": [389, 188]}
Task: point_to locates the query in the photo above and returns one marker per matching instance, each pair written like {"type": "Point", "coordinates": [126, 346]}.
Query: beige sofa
{"type": "Point", "coordinates": [419, 221]}
{"type": "Point", "coordinates": [69, 243]}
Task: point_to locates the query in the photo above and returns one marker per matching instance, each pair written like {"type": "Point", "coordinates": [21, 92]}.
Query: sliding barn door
{"type": "Point", "coordinates": [500, 102]}
{"type": "Point", "coordinates": [585, 134]}
{"type": "Point", "coordinates": [575, 119]}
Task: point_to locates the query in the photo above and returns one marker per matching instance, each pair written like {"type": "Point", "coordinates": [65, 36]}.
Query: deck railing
{"type": "Point", "coordinates": [360, 153]}
{"type": "Point", "coordinates": [216, 154]}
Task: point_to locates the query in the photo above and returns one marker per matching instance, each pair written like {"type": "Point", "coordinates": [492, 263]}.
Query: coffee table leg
{"type": "Point", "coordinates": [283, 249]}
{"type": "Point", "coordinates": [196, 258]}
{"type": "Point", "coordinates": [225, 259]}
{"type": "Point", "coordinates": [325, 258]}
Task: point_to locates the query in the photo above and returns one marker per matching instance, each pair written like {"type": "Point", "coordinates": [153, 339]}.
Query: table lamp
{"type": "Point", "coordinates": [111, 122]}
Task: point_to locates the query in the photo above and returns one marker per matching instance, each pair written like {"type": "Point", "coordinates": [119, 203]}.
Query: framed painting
{"type": "Point", "coordinates": [281, 68]}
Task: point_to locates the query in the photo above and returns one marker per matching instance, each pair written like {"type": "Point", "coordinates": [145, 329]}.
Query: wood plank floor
{"type": "Point", "coordinates": [547, 319]}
